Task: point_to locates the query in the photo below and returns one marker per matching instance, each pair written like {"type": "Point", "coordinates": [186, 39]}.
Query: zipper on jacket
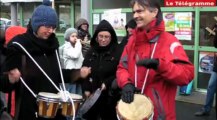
{"type": "Point", "coordinates": [159, 105]}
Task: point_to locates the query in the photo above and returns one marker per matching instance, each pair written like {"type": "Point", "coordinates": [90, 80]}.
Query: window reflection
{"type": "Point", "coordinates": [185, 42]}
{"type": "Point", "coordinates": [206, 20]}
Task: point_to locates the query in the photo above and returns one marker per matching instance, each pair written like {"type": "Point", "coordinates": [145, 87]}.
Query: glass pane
{"type": "Point", "coordinates": [110, 4]}
{"type": "Point", "coordinates": [206, 20]}
{"type": "Point", "coordinates": [203, 79]}
{"type": "Point", "coordinates": [64, 18]}
{"type": "Point", "coordinates": [28, 9]}
{"type": "Point", "coordinates": [190, 55]}
{"type": "Point", "coordinates": [180, 24]}
{"type": "Point", "coordinates": [5, 10]}
{"type": "Point", "coordinates": [77, 12]}
{"type": "Point", "coordinates": [206, 61]}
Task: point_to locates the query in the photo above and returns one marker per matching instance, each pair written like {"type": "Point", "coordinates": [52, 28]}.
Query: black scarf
{"type": "Point", "coordinates": [41, 45]}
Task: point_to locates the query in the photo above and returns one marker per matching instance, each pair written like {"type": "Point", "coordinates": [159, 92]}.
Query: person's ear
{"type": "Point", "coordinates": [154, 12]}
{"type": "Point", "coordinates": [97, 39]}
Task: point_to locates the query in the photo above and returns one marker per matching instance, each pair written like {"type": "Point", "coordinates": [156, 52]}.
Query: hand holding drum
{"type": "Point", "coordinates": [128, 93]}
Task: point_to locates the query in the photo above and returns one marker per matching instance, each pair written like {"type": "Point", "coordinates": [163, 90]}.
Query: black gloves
{"type": "Point", "coordinates": [128, 93]}
{"type": "Point", "coordinates": [149, 63]}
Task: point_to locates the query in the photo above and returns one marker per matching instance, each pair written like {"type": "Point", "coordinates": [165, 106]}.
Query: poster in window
{"type": "Point", "coordinates": [183, 25]}
{"type": "Point", "coordinates": [206, 61]}
{"type": "Point", "coordinates": [116, 19]}
{"type": "Point", "coordinates": [169, 19]}
{"type": "Point", "coordinates": [96, 19]}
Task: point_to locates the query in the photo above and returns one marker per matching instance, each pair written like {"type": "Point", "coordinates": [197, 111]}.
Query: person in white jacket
{"type": "Point", "coordinates": [72, 50]}
{"type": "Point", "coordinates": [71, 56]}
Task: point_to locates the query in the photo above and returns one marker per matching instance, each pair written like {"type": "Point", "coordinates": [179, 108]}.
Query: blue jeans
{"type": "Point", "coordinates": [210, 92]}
{"type": "Point", "coordinates": [73, 88]}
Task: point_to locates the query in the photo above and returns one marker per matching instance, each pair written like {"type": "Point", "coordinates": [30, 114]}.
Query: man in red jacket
{"type": "Point", "coordinates": [153, 61]}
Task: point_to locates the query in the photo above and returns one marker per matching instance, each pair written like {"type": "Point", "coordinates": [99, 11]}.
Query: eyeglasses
{"type": "Point", "coordinates": [49, 28]}
{"type": "Point", "coordinates": [106, 37]}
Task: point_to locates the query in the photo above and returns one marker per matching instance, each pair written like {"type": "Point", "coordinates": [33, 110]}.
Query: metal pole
{"type": "Point", "coordinates": [13, 14]}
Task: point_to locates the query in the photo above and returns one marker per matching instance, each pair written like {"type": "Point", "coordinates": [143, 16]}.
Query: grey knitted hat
{"type": "Point", "coordinates": [68, 32]}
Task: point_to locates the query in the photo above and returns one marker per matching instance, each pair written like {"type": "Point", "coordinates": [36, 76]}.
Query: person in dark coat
{"type": "Point", "coordinates": [103, 58]}
{"type": "Point", "coordinates": [42, 45]}
{"type": "Point", "coordinates": [212, 86]}
{"type": "Point", "coordinates": [2, 52]}
{"type": "Point", "coordinates": [129, 28]}
{"type": "Point", "coordinates": [3, 114]}
{"type": "Point", "coordinates": [82, 26]}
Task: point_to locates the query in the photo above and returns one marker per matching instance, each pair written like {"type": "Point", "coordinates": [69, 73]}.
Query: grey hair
{"type": "Point", "coordinates": [151, 5]}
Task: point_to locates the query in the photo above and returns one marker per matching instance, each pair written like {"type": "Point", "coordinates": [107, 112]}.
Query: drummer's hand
{"type": "Point", "coordinates": [87, 94]}
{"type": "Point", "coordinates": [149, 63]}
{"type": "Point", "coordinates": [103, 86]}
{"type": "Point", "coordinates": [128, 93]}
{"type": "Point", "coordinates": [85, 71]}
{"type": "Point", "coordinates": [14, 75]}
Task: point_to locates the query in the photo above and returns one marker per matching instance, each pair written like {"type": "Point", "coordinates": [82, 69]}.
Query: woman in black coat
{"type": "Point", "coordinates": [42, 44]}
{"type": "Point", "coordinates": [44, 53]}
{"type": "Point", "coordinates": [103, 58]}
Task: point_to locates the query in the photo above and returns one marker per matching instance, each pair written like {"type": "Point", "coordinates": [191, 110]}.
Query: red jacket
{"type": "Point", "coordinates": [174, 67]}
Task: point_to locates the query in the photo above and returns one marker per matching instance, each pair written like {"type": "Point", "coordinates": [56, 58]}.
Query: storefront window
{"type": "Point", "coordinates": [28, 9]}
{"type": "Point", "coordinates": [109, 4]}
{"type": "Point", "coordinates": [77, 12]}
{"type": "Point", "coordinates": [190, 55]}
{"type": "Point", "coordinates": [64, 18]}
{"type": "Point", "coordinates": [62, 8]}
{"type": "Point", "coordinates": [5, 10]}
{"type": "Point", "coordinates": [181, 25]}
{"type": "Point", "coordinates": [64, 11]}
{"type": "Point", "coordinates": [206, 20]}
{"type": "Point", "coordinates": [206, 61]}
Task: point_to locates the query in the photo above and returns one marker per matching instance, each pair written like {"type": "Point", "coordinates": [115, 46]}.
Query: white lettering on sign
{"type": "Point", "coordinates": [169, 3]}
{"type": "Point", "coordinates": [186, 3]}
{"type": "Point", "coordinates": [190, 3]}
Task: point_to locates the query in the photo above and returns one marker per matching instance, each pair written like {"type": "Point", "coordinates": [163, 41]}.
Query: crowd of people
{"type": "Point", "coordinates": [143, 63]}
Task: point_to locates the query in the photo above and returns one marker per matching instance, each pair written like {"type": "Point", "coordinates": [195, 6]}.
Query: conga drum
{"type": "Point", "coordinates": [67, 107]}
{"type": "Point", "coordinates": [48, 104]}
{"type": "Point", "coordinates": [140, 109]}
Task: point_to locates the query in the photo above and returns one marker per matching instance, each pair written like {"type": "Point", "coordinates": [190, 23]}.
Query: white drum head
{"type": "Point", "coordinates": [139, 109]}
{"type": "Point", "coordinates": [49, 95]}
{"type": "Point", "coordinates": [75, 96]}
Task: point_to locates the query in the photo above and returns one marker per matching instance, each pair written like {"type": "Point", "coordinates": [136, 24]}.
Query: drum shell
{"type": "Point", "coordinates": [67, 106]}
{"type": "Point", "coordinates": [47, 107]}
{"type": "Point", "coordinates": [67, 109]}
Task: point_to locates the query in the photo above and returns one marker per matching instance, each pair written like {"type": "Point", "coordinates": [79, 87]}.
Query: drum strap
{"type": "Point", "coordinates": [159, 105]}
{"type": "Point", "coordinates": [155, 41]}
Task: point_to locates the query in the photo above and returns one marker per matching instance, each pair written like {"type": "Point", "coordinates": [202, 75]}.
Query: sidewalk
{"type": "Point", "coordinates": [185, 111]}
